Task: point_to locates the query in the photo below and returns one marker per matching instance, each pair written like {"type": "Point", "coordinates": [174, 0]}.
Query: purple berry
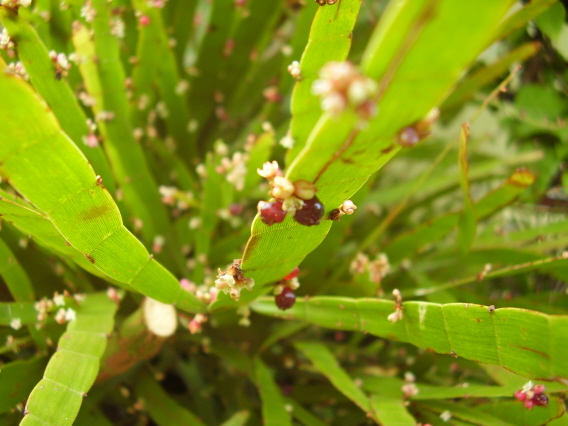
{"type": "Point", "coordinates": [271, 213]}
{"type": "Point", "coordinates": [540, 399]}
{"type": "Point", "coordinates": [286, 299]}
{"type": "Point", "coordinates": [311, 213]}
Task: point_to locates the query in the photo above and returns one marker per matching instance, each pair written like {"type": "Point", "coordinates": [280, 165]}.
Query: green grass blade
{"type": "Point", "coordinates": [523, 16]}
{"type": "Point", "coordinates": [303, 415]}
{"type": "Point", "coordinates": [240, 418]}
{"type": "Point", "coordinates": [57, 93]}
{"type": "Point", "coordinates": [528, 343]}
{"type": "Point", "coordinates": [391, 411]}
{"type": "Point", "coordinates": [16, 313]}
{"type": "Point", "coordinates": [339, 157]}
{"type": "Point", "coordinates": [410, 242]}
{"type": "Point", "coordinates": [273, 411]}
{"type": "Point", "coordinates": [515, 413]}
{"type": "Point", "coordinates": [324, 361]}
{"type": "Point", "coordinates": [468, 87]}
{"type": "Point", "coordinates": [467, 221]}
{"type": "Point", "coordinates": [18, 379]}
{"type": "Point", "coordinates": [70, 195]}
{"type": "Point", "coordinates": [129, 164]}
{"type": "Point", "coordinates": [71, 371]}
{"type": "Point", "coordinates": [163, 409]}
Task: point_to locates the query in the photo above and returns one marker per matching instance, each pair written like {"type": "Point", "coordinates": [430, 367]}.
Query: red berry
{"type": "Point", "coordinates": [271, 213]}
{"type": "Point", "coordinates": [286, 299]}
{"type": "Point", "coordinates": [311, 213]}
{"type": "Point", "coordinates": [292, 274]}
{"type": "Point", "coordinates": [520, 395]}
{"type": "Point", "coordinates": [539, 388]}
{"type": "Point", "coordinates": [540, 399]}
{"type": "Point", "coordinates": [529, 404]}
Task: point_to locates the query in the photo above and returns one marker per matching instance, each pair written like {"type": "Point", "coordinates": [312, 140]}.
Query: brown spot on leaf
{"type": "Point", "coordinates": [95, 212]}
{"type": "Point", "coordinates": [89, 258]}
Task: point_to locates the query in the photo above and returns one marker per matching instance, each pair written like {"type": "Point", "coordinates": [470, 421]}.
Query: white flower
{"type": "Point", "coordinates": [348, 207]}
{"type": "Point", "coordinates": [269, 170]}
{"type": "Point", "coordinates": [287, 141]}
{"type": "Point", "coordinates": [59, 300]}
{"type": "Point", "coordinates": [224, 281]}
{"type": "Point", "coordinates": [70, 314]}
{"type": "Point", "coordinates": [16, 323]}
{"type": "Point", "coordinates": [294, 70]}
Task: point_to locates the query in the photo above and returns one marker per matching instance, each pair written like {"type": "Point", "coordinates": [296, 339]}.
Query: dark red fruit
{"type": "Point", "coordinates": [286, 299]}
{"type": "Point", "coordinates": [540, 399]}
{"type": "Point", "coordinates": [311, 213]}
{"type": "Point", "coordinates": [292, 274]}
{"type": "Point", "coordinates": [271, 213]}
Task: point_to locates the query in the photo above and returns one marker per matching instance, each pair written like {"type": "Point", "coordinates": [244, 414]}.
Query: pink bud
{"type": "Point", "coordinates": [520, 395]}
{"type": "Point", "coordinates": [144, 20]}
{"type": "Point", "coordinates": [529, 404]}
{"type": "Point", "coordinates": [539, 388]}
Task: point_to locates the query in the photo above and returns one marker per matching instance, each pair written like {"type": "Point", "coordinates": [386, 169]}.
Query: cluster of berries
{"type": "Point", "coordinates": [284, 295]}
{"type": "Point", "coordinates": [532, 395]}
{"type": "Point", "coordinates": [297, 199]}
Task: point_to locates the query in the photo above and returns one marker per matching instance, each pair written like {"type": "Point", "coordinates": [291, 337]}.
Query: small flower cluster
{"type": "Point", "coordinates": [173, 196]}
{"type": "Point", "coordinates": [409, 388]}
{"type": "Point", "coordinates": [347, 208]}
{"type": "Point", "coordinates": [235, 169]}
{"type": "Point", "coordinates": [7, 44]}
{"type": "Point", "coordinates": [233, 281]}
{"type": "Point", "coordinates": [204, 292]}
{"type": "Point", "coordinates": [298, 199]}
{"type": "Point", "coordinates": [88, 12]}
{"type": "Point", "coordinates": [532, 395]}
{"type": "Point", "coordinates": [397, 314]}
{"type": "Point", "coordinates": [17, 69]}
{"type": "Point", "coordinates": [61, 64]}
{"type": "Point", "coordinates": [91, 139]}
{"type": "Point", "coordinates": [196, 324]}
{"type": "Point", "coordinates": [341, 86]}
{"type": "Point", "coordinates": [14, 4]}
{"type": "Point", "coordinates": [117, 27]}
{"type": "Point", "coordinates": [294, 70]}
{"type": "Point", "coordinates": [411, 135]}
{"type": "Point", "coordinates": [377, 269]}
{"type": "Point", "coordinates": [284, 295]}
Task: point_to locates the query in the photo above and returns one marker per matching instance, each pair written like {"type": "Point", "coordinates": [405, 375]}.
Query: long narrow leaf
{"type": "Point", "coordinates": [528, 343]}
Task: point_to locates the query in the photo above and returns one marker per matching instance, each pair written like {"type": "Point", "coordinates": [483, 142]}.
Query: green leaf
{"type": "Point", "coordinates": [330, 40]}
{"type": "Point", "coordinates": [273, 411]}
{"type": "Point", "coordinates": [528, 343]}
{"type": "Point", "coordinates": [72, 197]}
{"type": "Point", "coordinates": [339, 155]}
{"type": "Point", "coordinates": [520, 18]}
{"type": "Point", "coordinates": [303, 415]}
{"type": "Point", "coordinates": [163, 409]}
{"type": "Point", "coordinates": [71, 371]}
{"type": "Point", "coordinates": [551, 21]}
{"type": "Point", "coordinates": [238, 419]}
{"type": "Point", "coordinates": [326, 364]}
{"type": "Point", "coordinates": [56, 92]}
{"type": "Point", "coordinates": [18, 379]}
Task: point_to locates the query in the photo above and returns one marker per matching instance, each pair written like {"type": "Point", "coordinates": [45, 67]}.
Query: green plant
{"type": "Point", "coordinates": [156, 141]}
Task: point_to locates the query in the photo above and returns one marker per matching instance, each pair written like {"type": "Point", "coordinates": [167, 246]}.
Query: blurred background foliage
{"type": "Point", "coordinates": [206, 97]}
